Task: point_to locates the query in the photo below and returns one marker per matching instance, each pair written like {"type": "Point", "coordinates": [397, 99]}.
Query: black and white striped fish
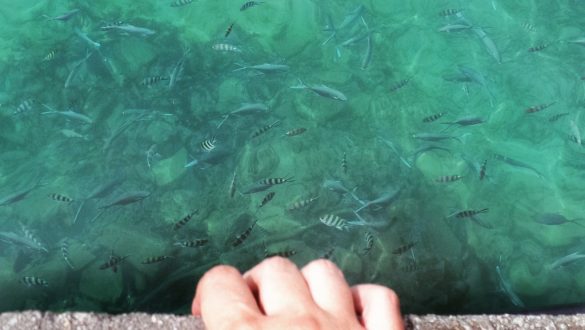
{"type": "Point", "coordinates": [399, 85]}
{"type": "Point", "coordinates": [335, 221]}
{"type": "Point", "coordinates": [449, 12]}
{"type": "Point", "coordinates": [301, 204]}
{"type": "Point", "coordinates": [31, 281]}
{"type": "Point", "coordinates": [403, 248]}
{"type": "Point", "coordinates": [283, 253]}
{"type": "Point", "coordinates": [180, 3]}
{"type": "Point", "coordinates": [267, 198]}
{"type": "Point", "coordinates": [149, 81]}
{"type": "Point", "coordinates": [243, 236]}
{"type": "Point", "coordinates": [65, 253]}
{"type": "Point", "coordinates": [228, 31]}
{"type": "Point", "coordinates": [482, 170]}
{"type": "Point", "coordinates": [448, 178]}
{"type": "Point", "coordinates": [193, 243]}
{"type": "Point", "coordinates": [208, 145]}
{"type": "Point", "coordinates": [275, 181]}
{"type": "Point", "coordinates": [33, 238]}
{"type": "Point", "coordinates": [328, 254]}
{"type": "Point", "coordinates": [60, 198]}
{"type": "Point", "coordinates": [468, 213]}
{"type": "Point", "coordinates": [179, 224]}
{"type": "Point", "coordinates": [296, 131]}
{"type": "Point", "coordinates": [265, 129]}
{"type": "Point", "coordinates": [369, 238]}
{"type": "Point", "coordinates": [24, 107]}
{"type": "Point", "coordinates": [558, 116]}
{"type": "Point", "coordinates": [250, 4]}
{"type": "Point", "coordinates": [113, 262]}
{"type": "Point", "coordinates": [50, 56]}
{"type": "Point", "coordinates": [223, 47]}
{"type": "Point", "coordinates": [344, 163]}
{"type": "Point", "coordinates": [434, 117]}
{"type": "Point", "coordinates": [154, 260]}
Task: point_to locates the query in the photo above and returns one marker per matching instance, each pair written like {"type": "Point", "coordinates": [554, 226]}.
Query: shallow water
{"type": "Point", "coordinates": [501, 97]}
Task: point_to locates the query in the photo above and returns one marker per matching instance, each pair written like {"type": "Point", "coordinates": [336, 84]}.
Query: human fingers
{"type": "Point", "coordinates": [224, 300]}
{"type": "Point", "coordinates": [378, 306]}
{"type": "Point", "coordinates": [280, 287]}
{"type": "Point", "coordinates": [329, 289]}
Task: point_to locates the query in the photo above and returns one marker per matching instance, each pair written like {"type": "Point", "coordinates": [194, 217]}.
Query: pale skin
{"type": "Point", "coordinates": [275, 294]}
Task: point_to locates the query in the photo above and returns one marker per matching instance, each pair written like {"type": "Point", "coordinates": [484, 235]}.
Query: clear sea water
{"type": "Point", "coordinates": [96, 133]}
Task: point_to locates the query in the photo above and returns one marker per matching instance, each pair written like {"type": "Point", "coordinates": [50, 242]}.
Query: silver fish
{"type": "Point", "coordinates": [465, 121]}
{"type": "Point", "coordinates": [337, 186]}
{"type": "Point", "coordinates": [517, 163]}
{"type": "Point", "coordinates": [568, 259]}
{"type": "Point", "coordinates": [85, 38]}
{"type": "Point", "coordinates": [232, 189]}
{"type": "Point", "coordinates": [454, 28]}
{"type": "Point", "coordinates": [126, 199]}
{"type": "Point", "coordinates": [19, 195]}
{"type": "Point", "coordinates": [507, 288]}
{"type": "Point", "coordinates": [130, 29]}
{"type": "Point", "coordinates": [553, 219]}
{"type": "Point", "coordinates": [387, 198]}
{"type": "Point", "coordinates": [265, 68]}
{"type": "Point", "coordinates": [250, 108]}
{"type": "Point", "coordinates": [322, 90]}
{"type": "Point", "coordinates": [68, 114]}
{"type": "Point", "coordinates": [434, 137]}
{"type": "Point", "coordinates": [489, 44]}
{"type": "Point", "coordinates": [63, 17]}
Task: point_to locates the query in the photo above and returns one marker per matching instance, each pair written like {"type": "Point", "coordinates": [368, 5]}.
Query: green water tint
{"type": "Point", "coordinates": [466, 172]}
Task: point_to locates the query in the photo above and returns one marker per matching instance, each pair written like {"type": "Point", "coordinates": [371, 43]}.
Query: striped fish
{"type": "Point", "coordinates": [60, 198]}
{"type": "Point", "coordinates": [284, 253]}
{"type": "Point", "coordinates": [403, 248]}
{"type": "Point", "coordinates": [334, 221]}
{"type": "Point", "coordinates": [222, 47]}
{"type": "Point", "coordinates": [113, 263]}
{"type": "Point", "coordinates": [65, 253]}
{"type": "Point", "coordinates": [538, 108]}
{"type": "Point", "coordinates": [180, 3]}
{"type": "Point", "coordinates": [154, 260]}
{"type": "Point", "coordinates": [369, 238]}
{"type": "Point", "coordinates": [344, 163]}
{"type": "Point", "coordinates": [229, 30]}
{"type": "Point", "coordinates": [448, 178]}
{"type": "Point", "coordinates": [410, 267]}
{"type": "Point", "coordinates": [296, 131]}
{"type": "Point", "coordinates": [468, 213]}
{"type": "Point", "coordinates": [179, 224]}
{"type": "Point", "coordinates": [149, 81]}
{"type": "Point", "coordinates": [482, 170]}
{"type": "Point", "coordinates": [33, 238]}
{"type": "Point", "coordinates": [208, 144]}
{"type": "Point", "coordinates": [301, 204]}
{"type": "Point", "coordinates": [265, 129]}
{"type": "Point", "coordinates": [243, 236]}
{"type": "Point", "coordinates": [537, 48]}
{"type": "Point", "coordinates": [275, 181]}
{"type": "Point", "coordinates": [232, 190]}
{"type": "Point", "coordinates": [558, 116]}
{"type": "Point", "coordinates": [449, 12]}
{"type": "Point", "coordinates": [193, 243]}
{"type": "Point", "coordinates": [50, 56]}
{"type": "Point", "coordinates": [399, 85]}
{"type": "Point", "coordinates": [267, 198]}
{"type": "Point", "coordinates": [25, 106]}
{"type": "Point", "coordinates": [250, 4]}
{"type": "Point", "coordinates": [434, 117]}
{"type": "Point", "coordinates": [31, 281]}
{"type": "Point", "coordinates": [528, 26]}
{"type": "Point", "coordinates": [328, 254]}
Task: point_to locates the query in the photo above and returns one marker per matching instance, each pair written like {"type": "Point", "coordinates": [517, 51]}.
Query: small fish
{"type": "Point", "coordinates": [403, 248]}
{"type": "Point", "coordinates": [179, 224]}
{"type": "Point", "coordinates": [229, 30]}
{"type": "Point", "coordinates": [265, 68]}
{"type": "Point", "coordinates": [65, 253]}
{"type": "Point", "coordinates": [222, 47]}
{"type": "Point", "coordinates": [344, 163]}
{"type": "Point", "coordinates": [537, 48]}
{"type": "Point", "coordinates": [558, 116]}
{"type": "Point", "coordinates": [72, 134]}
{"type": "Point", "coordinates": [113, 263]}
{"type": "Point", "coordinates": [31, 281]}
{"type": "Point", "coordinates": [193, 243]}
{"type": "Point", "coordinates": [328, 254]}
{"type": "Point", "coordinates": [243, 236]}
{"type": "Point", "coordinates": [267, 198]}
{"type": "Point", "coordinates": [455, 28]}
{"type": "Point", "coordinates": [335, 221]}
{"type": "Point", "coordinates": [250, 4]}
{"type": "Point", "coordinates": [32, 238]}
{"type": "Point", "coordinates": [265, 129]}
{"type": "Point", "coordinates": [283, 254]}
{"type": "Point", "coordinates": [250, 109]}
{"type": "Point", "coordinates": [369, 238]}
{"type": "Point", "coordinates": [126, 199]}
{"type": "Point", "coordinates": [63, 17]}
{"type": "Point", "coordinates": [154, 260]}
{"type": "Point", "coordinates": [465, 121]}
{"type": "Point", "coordinates": [232, 189]}
{"type": "Point", "coordinates": [19, 195]}
{"type": "Point", "coordinates": [60, 198]}
{"type": "Point", "coordinates": [386, 198]}
{"type": "Point", "coordinates": [296, 131]}
{"type": "Point", "coordinates": [468, 213]}
{"type": "Point", "coordinates": [322, 90]}
{"type": "Point", "coordinates": [399, 85]}
{"type": "Point", "coordinates": [434, 137]}
{"type": "Point", "coordinates": [208, 145]}
{"type": "Point", "coordinates": [411, 267]}
{"type": "Point", "coordinates": [129, 29]}
{"type": "Point", "coordinates": [575, 131]}
{"type": "Point", "coordinates": [553, 219]}
{"type": "Point", "coordinates": [433, 118]}
{"type": "Point", "coordinates": [69, 114]}
{"type": "Point", "coordinates": [566, 260]}
{"type": "Point", "coordinates": [150, 81]}
{"type": "Point", "coordinates": [180, 3]}
{"type": "Point", "coordinates": [528, 26]}
{"type": "Point", "coordinates": [449, 12]}
{"type": "Point", "coordinates": [275, 181]}
{"type": "Point", "coordinates": [85, 38]}
{"type": "Point", "coordinates": [517, 163]}
{"type": "Point", "coordinates": [448, 178]}
{"type": "Point", "coordinates": [24, 106]}
{"type": "Point", "coordinates": [301, 204]}
{"type": "Point", "coordinates": [539, 107]}
{"type": "Point", "coordinates": [482, 170]}
{"type": "Point", "coordinates": [50, 56]}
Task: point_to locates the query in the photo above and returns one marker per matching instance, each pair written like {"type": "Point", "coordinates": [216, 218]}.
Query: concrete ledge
{"type": "Point", "coordinates": [49, 321]}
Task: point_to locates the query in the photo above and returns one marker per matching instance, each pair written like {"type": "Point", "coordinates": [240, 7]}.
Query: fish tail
{"type": "Point", "coordinates": [241, 67]}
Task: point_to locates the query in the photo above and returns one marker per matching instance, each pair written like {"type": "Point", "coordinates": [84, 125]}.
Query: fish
{"type": "Point", "coordinates": [368, 53]}
{"type": "Point", "coordinates": [579, 41]}
{"type": "Point", "coordinates": [399, 85]}
{"type": "Point", "coordinates": [129, 198]}
{"type": "Point", "coordinates": [29, 235]}
{"type": "Point", "coordinates": [301, 204]}
{"type": "Point", "coordinates": [433, 117]}
{"type": "Point", "coordinates": [539, 107]}
{"type": "Point", "coordinates": [60, 198]}
{"type": "Point", "coordinates": [22, 241]}
{"type": "Point", "coordinates": [507, 288]}
{"type": "Point", "coordinates": [267, 199]}
{"type": "Point", "coordinates": [557, 116]}
{"type": "Point", "coordinates": [72, 134]}
{"type": "Point", "coordinates": [348, 21]}
{"type": "Point", "coordinates": [129, 29]}
{"type": "Point", "coordinates": [283, 254]}
{"type": "Point", "coordinates": [150, 81]}
{"type": "Point", "coordinates": [232, 189]}
{"type": "Point", "coordinates": [566, 260]}
{"type": "Point", "coordinates": [105, 189]}
{"type": "Point", "coordinates": [193, 243]}
{"type": "Point", "coordinates": [468, 213]}
{"type": "Point", "coordinates": [113, 263]}
{"type": "Point", "coordinates": [454, 27]}
{"type": "Point", "coordinates": [489, 44]}
{"type": "Point", "coordinates": [369, 238]}
{"type": "Point", "coordinates": [50, 56]}
{"type": "Point", "coordinates": [154, 260]}
{"type": "Point", "coordinates": [179, 224]}
{"type": "Point", "coordinates": [323, 91]}
{"type": "Point", "coordinates": [478, 78]}
{"type": "Point", "coordinates": [250, 4]}
{"type": "Point", "coordinates": [465, 121]}
{"type": "Point", "coordinates": [31, 281]}
{"type": "Point", "coordinates": [65, 253]}
{"type": "Point", "coordinates": [296, 131]}
{"type": "Point", "coordinates": [69, 114]}
{"type": "Point", "coordinates": [553, 219]}
{"type": "Point", "coordinates": [337, 186]}
{"type": "Point", "coordinates": [75, 69]}
{"type": "Point", "coordinates": [265, 129]}
{"type": "Point", "coordinates": [328, 254]}
{"type": "Point", "coordinates": [575, 131]}
{"type": "Point", "coordinates": [228, 30]}
{"type": "Point", "coordinates": [344, 163]}
{"type": "Point", "coordinates": [518, 164]}
{"type": "Point", "coordinates": [435, 137]}
{"type": "Point", "coordinates": [537, 48]}
{"type": "Point", "coordinates": [178, 69]}
{"type": "Point", "coordinates": [528, 26]}
{"type": "Point", "coordinates": [335, 221]}
{"type": "Point", "coordinates": [208, 145]}
{"type": "Point", "coordinates": [239, 239]}
{"type": "Point", "coordinates": [387, 198]}
{"type": "Point", "coordinates": [267, 183]}
{"type": "Point", "coordinates": [223, 47]}
{"type": "Point", "coordinates": [448, 178]}
{"type": "Point", "coordinates": [403, 248]}
{"type": "Point", "coordinates": [482, 170]}
{"type": "Point", "coordinates": [264, 68]}
{"type": "Point", "coordinates": [19, 195]}
{"type": "Point", "coordinates": [250, 109]}
{"type": "Point", "coordinates": [24, 107]}
{"type": "Point", "coordinates": [181, 3]}
{"type": "Point", "coordinates": [449, 12]}
{"type": "Point", "coordinates": [85, 38]}
{"type": "Point", "coordinates": [63, 17]}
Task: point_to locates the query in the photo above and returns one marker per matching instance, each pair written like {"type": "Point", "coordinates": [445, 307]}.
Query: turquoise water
{"type": "Point", "coordinates": [121, 139]}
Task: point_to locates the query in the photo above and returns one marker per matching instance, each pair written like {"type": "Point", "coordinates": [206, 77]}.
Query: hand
{"type": "Point", "coordinates": [276, 295]}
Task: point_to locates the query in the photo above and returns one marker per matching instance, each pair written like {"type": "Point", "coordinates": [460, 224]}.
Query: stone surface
{"type": "Point", "coordinates": [49, 321]}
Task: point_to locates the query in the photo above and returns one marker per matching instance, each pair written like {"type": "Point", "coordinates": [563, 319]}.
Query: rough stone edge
{"type": "Point", "coordinates": [138, 321]}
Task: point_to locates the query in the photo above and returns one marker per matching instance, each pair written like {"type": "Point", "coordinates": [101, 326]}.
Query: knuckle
{"type": "Point", "coordinates": [277, 264]}
{"type": "Point", "coordinates": [308, 322]}
{"type": "Point", "coordinates": [322, 266]}
{"type": "Point", "coordinates": [246, 322]}
{"type": "Point", "coordinates": [388, 295]}
{"type": "Point", "coordinates": [219, 272]}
